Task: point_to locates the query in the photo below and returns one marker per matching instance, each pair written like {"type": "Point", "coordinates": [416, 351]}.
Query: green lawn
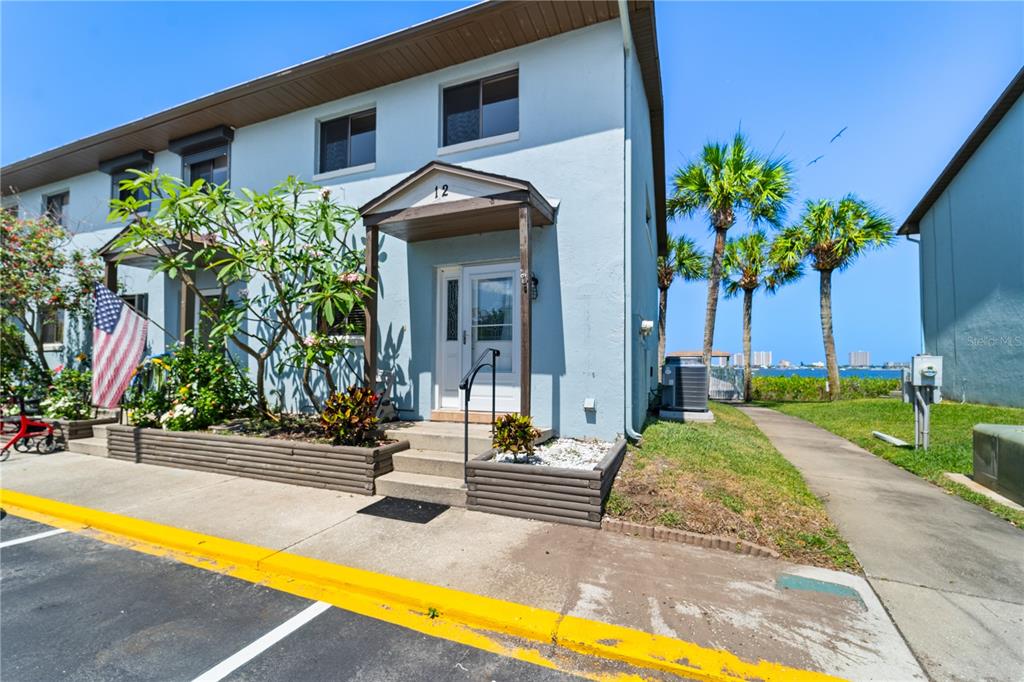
{"type": "Point", "coordinates": [727, 479]}
{"type": "Point", "coordinates": [950, 441]}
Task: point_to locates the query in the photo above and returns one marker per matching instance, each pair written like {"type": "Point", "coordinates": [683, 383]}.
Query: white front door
{"type": "Point", "coordinates": [479, 309]}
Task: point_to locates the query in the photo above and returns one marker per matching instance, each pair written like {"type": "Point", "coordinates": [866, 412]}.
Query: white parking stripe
{"type": "Point", "coordinates": [30, 538]}
{"type": "Point", "coordinates": [229, 665]}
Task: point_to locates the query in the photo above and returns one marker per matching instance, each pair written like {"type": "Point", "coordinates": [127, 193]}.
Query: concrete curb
{"type": "Point", "coordinates": [438, 611]}
{"type": "Point", "coordinates": [687, 537]}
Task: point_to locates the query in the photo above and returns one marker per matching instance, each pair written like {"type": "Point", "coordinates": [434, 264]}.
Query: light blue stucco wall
{"type": "Point", "coordinates": [972, 271]}
{"type": "Point", "coordinates": [643, 250]}
{"type": "Point", "coordinates": [571, 146]}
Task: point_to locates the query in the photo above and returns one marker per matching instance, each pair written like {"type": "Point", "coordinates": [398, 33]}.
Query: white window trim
{"type": "Point", "coordinates": [341, 172]}
{"type": "Point", "coordinates": [476, 144]}
{"type": "Point", "coordinates": [353, 339]}
{"type": "Point", "coordinates": [467, 78]}
{"type": "Point", "coordinates": [342, 113]}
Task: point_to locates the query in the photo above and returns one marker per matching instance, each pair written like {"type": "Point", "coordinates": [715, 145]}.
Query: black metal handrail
{"type": "Point", "coordinates": [466, 386]}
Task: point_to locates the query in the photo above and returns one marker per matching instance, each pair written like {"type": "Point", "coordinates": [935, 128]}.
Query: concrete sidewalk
{"type": "Point", "coordinates": [753, 607]}
{"type": "Point", "coordinates": [950, 573]}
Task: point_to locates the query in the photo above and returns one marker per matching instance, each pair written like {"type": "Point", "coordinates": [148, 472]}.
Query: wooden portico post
{"type": "Point", "coordinates": [370, 308]}
{"type": "Point", "coordinates": [110, 274]}
{"type": "Point", "coordinates": [525, 311]}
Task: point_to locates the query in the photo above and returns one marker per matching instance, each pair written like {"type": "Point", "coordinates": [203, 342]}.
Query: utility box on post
{"type": "Point", "coordinates": [926, 370]}
{"type": "Point", "coordinates": [922, 387]}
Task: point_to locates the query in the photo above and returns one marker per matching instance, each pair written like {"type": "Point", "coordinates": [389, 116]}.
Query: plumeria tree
{"type": "Point", "coordinates": [727, 180]}
{"type": "Point", "coordinates": [832, 234]}
{"type": "Point", "coordinates": [283, 259]}
{"type": "Point", "coordinates": [683, 259]}
{"type": "Point", "coordinates": [40, 274]}
{"type": "Point", "coordinates": [747, 266]}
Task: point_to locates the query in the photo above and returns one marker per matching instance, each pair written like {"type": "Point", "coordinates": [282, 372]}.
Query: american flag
{"type": "Point", "coordinates": [118, 340]}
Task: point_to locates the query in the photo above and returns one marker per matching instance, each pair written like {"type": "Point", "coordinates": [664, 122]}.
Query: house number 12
{"type": "Point", "coordinates": [441, 191]}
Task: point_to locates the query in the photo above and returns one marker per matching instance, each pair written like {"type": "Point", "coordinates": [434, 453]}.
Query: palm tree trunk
{"type": "Point", "coordinates": [662, 310]}
{"type": "Point", "coordinates": [748, 304]}
{"type": "Point", "coordinates": [826, 334]}
{"type": "Point", "coordinates": [714, 280]}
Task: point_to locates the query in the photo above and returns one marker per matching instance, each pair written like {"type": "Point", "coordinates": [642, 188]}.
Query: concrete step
{"type": "Point", "coordinates": [430, 462]}
{"type": "Point", "coordinates": [100, 430]}
{"type": "Point", "coordinates": [422, 487]}
{"type": "Point", "coordinates": [443, 440]}
{"type": "Point", "coordinates": [96, 446]}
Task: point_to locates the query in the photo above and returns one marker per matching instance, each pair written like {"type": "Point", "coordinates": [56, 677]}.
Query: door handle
{"type": "Point", "coordinates": [463, 337]}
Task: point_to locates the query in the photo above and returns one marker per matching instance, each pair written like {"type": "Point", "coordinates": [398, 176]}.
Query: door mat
{"type": "Point", "coordinates": [412, 511]}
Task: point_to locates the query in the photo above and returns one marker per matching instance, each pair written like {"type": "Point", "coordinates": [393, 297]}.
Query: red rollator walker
{"type": "Point", "coordinates": [28, 434]}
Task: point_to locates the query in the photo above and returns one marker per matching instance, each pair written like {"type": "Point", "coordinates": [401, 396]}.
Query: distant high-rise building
{"type": "Point", "coordinates": [785, 364]}
{"type": "Point", "coordinates": [860, 358]}
{"type": "Point", "coordinates": [759, 358]}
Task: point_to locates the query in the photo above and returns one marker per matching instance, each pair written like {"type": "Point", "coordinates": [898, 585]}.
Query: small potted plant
{"type": "Point", "coordinates": [515, 434]}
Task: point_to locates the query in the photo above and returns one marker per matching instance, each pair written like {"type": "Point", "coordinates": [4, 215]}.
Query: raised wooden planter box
{"type": "Point", "coordinates": [349, 469]}
{"type": "Point", "coordinates": [75, 429]}
{"type": "Point", "coordinates": [575, 496]}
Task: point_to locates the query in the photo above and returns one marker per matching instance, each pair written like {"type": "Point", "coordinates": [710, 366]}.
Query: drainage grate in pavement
{"type": "Point", "coordinates": [399, 509]}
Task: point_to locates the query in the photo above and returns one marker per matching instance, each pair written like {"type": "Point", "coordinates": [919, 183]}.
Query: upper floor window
{"type": "Point", "coordinates": [121, 169]}
{"type": "Point", "coordinates": [210, 166]}
{"type": "Point", "coordinates": [55, 206]}
{"type": "Point", "coordinates": [123, 193]}
{"type": "Point", "coordinates": [481, 108]}
{"type": "Point", "coordinates": [205, 155]}
{"type": "Point", "coordinates": [348, 141]}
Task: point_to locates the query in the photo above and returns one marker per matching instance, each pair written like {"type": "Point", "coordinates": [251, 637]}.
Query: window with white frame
{"type": "Point", "coordinates": [482, 108]}
{"type": "Point", "coordinates": [354, 324]}
{"type": "Point", "coordinates": [347, 141]}
{"type": "Point", "coordinates": [138, 302]}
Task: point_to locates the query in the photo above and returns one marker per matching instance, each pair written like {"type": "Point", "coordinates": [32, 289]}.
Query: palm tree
{"type": "Point", "coordinates": [683, 258]}
{"type": "Point", "coordinates": [728, 179]}
{"type": "Point", "coordinates": [832, 234]}
{"type": "Point", "coordinates": [747, 266]}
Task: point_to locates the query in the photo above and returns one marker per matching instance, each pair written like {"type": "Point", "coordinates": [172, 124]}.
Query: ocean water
{"type": "Point", "coordinates": [822, 373]}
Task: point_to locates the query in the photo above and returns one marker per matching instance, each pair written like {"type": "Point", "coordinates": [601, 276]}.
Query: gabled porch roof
{"type": "Point", "coordinates": [444, 200]}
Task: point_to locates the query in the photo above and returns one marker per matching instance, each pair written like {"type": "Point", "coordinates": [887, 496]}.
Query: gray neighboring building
{"type": "Point", "coordinates": [971, 227]}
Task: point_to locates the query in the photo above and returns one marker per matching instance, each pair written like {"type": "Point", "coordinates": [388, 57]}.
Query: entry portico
{"type": "Point", "coordinates": [442, 200]}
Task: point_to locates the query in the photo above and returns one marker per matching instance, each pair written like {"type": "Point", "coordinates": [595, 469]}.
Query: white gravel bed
{"type": "Point", "coordinates": [562, 452]}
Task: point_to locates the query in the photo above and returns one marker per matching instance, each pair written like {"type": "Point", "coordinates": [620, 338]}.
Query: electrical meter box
{"type": "Point", "coordinates": [926, 370]}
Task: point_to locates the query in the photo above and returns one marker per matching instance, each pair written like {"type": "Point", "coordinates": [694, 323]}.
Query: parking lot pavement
{"type": "Point", "coordinates": [74, 608]}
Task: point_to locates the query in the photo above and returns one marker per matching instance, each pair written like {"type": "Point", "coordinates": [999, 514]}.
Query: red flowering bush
{"type": "Point", "coordinates": [38, 272]}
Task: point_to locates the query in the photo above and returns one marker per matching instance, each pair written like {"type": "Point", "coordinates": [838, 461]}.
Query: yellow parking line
{"type": "Point", "coordinates": [462, 617]}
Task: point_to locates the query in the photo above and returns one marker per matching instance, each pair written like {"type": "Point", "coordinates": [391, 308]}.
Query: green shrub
{"type": "Point", "coordinates": [194, 387]}
{"type": "Point", "coordinates": [349, 417]}
{"type": "Point", "coordinates": [20, 374]}
{"type": "Point", "coordinates": [69, 395]}
{"type": "Point", "coordinates": [796, 388]}
{"type": "Point", "coordinates": [514, 433]}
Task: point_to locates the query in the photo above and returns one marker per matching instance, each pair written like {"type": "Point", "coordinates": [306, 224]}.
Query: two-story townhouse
{"type": "Point", "coordinates": [506, 158]}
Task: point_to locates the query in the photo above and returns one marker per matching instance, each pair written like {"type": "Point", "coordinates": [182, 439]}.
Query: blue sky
{"type": "Point", "coordinates": [908, 80]}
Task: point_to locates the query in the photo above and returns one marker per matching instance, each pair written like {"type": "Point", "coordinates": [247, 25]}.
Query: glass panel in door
{"type": "Point", "coordinates": [492, 319]}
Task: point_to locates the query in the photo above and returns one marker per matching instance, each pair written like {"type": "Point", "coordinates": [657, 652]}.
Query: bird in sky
{"type": "Point", "coordinates": [836, 136]}
{"type": "Point", "coordinates": [816, 160]}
